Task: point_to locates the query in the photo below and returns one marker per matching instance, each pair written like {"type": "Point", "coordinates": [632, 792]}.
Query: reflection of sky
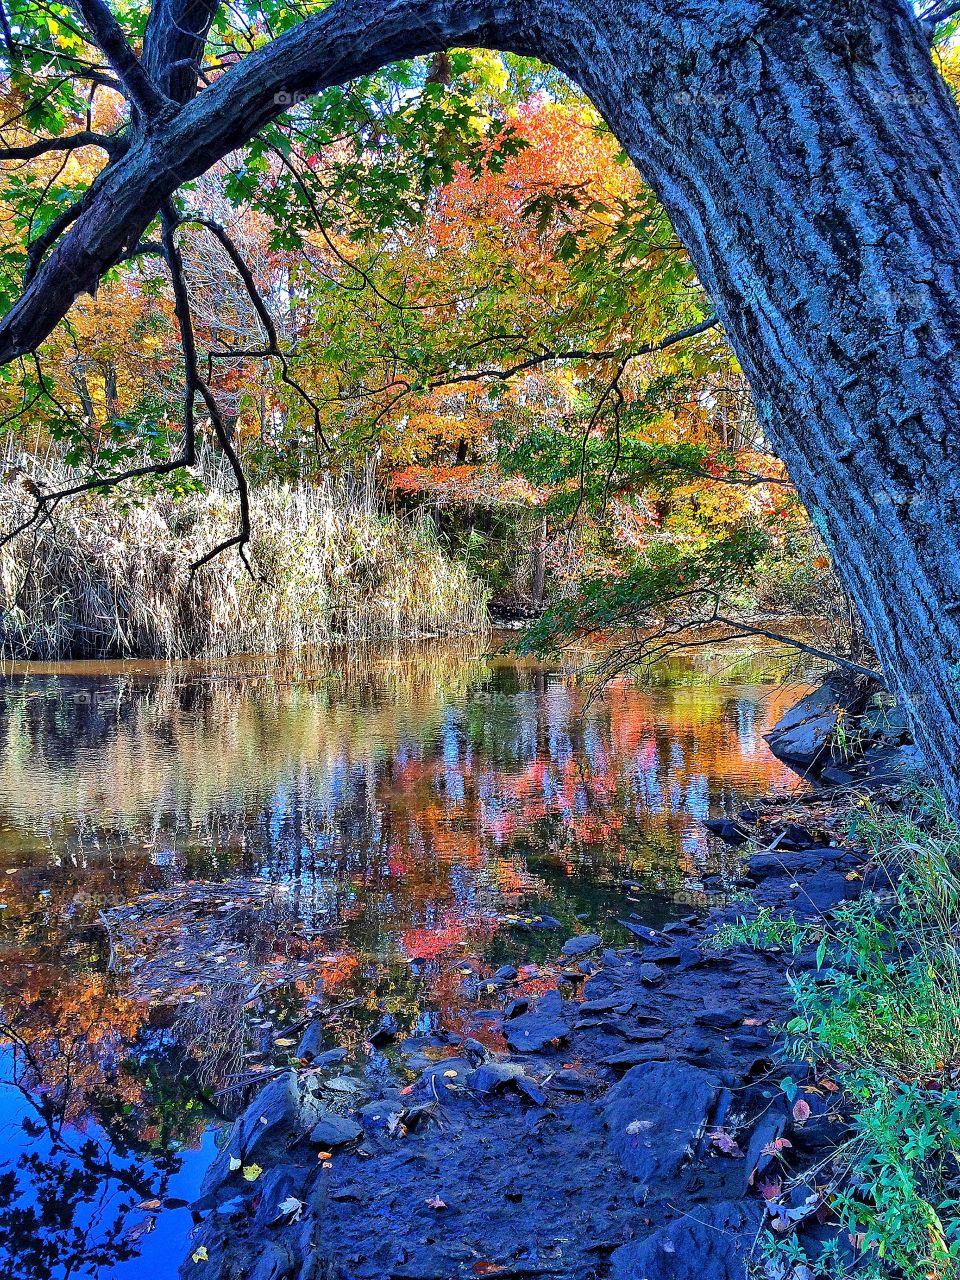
{"type": "Point", "coordinates": [160, 1249]}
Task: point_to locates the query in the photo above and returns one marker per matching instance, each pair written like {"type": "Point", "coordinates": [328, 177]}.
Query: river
{"type": "Point", "coordinates": [193, 858]}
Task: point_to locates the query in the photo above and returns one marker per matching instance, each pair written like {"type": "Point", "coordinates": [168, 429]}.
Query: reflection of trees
{"type": "Point", "coordinates": [70, 1035]}
{"type": "Point", "coordinates": [66, 1200]}
{"type": "Point", "coordinates": [387, 791]}
{"type": "Point", "coordinates": [60, 1216]}
{"type": "Point", "coordinates": [406, 802]}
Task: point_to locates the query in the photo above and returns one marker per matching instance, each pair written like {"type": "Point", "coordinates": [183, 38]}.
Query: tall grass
{"type": "Point", "coordinates": [103, 578]}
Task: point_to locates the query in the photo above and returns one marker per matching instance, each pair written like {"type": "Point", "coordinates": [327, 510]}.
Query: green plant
{"type": "Point", "coordinates": [882, 1016]}
{"type": "Point", "coordinates": [765, 930]}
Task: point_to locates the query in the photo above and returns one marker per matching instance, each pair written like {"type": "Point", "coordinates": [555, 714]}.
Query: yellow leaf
{"type": "Point", "coordinates": [201, 1254]}
{"type": "Point", "coordinates": [252, 1172]}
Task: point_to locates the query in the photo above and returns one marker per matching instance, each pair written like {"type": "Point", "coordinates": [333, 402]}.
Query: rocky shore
{"type": "Point", "coordinates": [642, 1123]}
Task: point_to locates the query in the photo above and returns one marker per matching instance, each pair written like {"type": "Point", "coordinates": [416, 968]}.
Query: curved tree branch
{"type": "Point", "coordinates": [344, 41]}
{"type": "Point", "coordinates": [72, 142]}
{"type": "Point", "coordinates": [549, 357]}
{"type": "Point", "coordinates": [45, 503]}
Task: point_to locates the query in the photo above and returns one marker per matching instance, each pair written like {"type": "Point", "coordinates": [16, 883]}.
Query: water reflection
{"type": "Point", "coordinates": [190, 856]}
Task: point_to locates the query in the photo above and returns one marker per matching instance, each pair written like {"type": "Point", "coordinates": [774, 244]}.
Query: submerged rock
{"type": "Point", "coordinates": [582, 944]}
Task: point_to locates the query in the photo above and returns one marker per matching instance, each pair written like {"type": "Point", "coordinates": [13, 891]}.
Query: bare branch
{"type": "Point", "coordinates": [45, 502]}
{"type": "Point", "coordinates": [750, 629]}
{"type": "Point", "coordinates": [273, 347]}
{"type": "Point", "coordinates": [72, 142]}
{"type": "Point", "coordinates": [242, 536]}
{"type": "Point", "coordinates": [938, 13]}
{"type": "Point", "coordinates": [585, 356]}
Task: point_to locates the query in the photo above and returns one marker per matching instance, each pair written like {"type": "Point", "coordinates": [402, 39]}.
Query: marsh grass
{"type": "Point", "coordinates": [108, 577]}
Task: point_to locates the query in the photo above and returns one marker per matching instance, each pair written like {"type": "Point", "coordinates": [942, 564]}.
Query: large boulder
{"type": "Point", "coordinates": [711, 1242]}
{"type": "Point", "coordinates": [655, 1114]}
{"type": "Point", "coordinates": [802, 737]}
{"type": "Point", "coordinates": [283, 1112]}
{"type": "Point", "coordinates": [875, 748]}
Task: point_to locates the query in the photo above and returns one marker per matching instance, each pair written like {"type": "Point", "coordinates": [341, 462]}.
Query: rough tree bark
{"type": "Point", "coordinates": [809, 156]}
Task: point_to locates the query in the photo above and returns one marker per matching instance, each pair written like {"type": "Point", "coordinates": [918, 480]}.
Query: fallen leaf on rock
{"type": "Point", "coordinates": [726, 1143]}
{"type": "Point", "coordinates": [291, 1208]}
{"type": "Point", "coordinates": [776, 1146]}
{"type": "Point", "coordinates": [324, 1155]}
{"type": "Point", "coordinates": [435, 1202]}
{"type": "Point", "coordinates": [200, 1255]}
{"type": "Point", "coordinates": [801, 1111]}
{"type": "Point", "coordinates": [252, 1172]}
{"type": "Point", "coordinates": [235, 1163]}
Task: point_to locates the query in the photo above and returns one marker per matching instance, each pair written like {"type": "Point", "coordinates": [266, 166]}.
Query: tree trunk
{"type": "Point", "coordinates": [809, 156]}
{"type": "Point", "coordinates": [811, 163]}
{"type": "Point", "coordinates": [538, 556]}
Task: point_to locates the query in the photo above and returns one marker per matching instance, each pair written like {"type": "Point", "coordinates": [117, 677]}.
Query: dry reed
{"type": "Point", "coordinates": [110, 578]}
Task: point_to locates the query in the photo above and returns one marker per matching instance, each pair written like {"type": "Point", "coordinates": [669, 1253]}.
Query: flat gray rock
{"type": "Point", "coordinates": [333, 1131]}
{"type": "Point", "coordinates": [535, 1032]}
{"type": "Point", "coordinates": [582, 944]}
{"type": "Point", "coordinates": [711, 1242]}
{"type": "Point", "coordinates": [654, 1115]}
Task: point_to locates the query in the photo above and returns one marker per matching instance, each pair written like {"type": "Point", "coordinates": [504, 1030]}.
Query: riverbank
{"type": "Point", "coordinates": [640, 1119]}
{"type": "Point", "coordinates": [641, 1115]}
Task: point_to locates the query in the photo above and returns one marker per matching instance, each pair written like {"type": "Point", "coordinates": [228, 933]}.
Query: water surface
{"type": "Point", "coordinates": [194, 857]}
